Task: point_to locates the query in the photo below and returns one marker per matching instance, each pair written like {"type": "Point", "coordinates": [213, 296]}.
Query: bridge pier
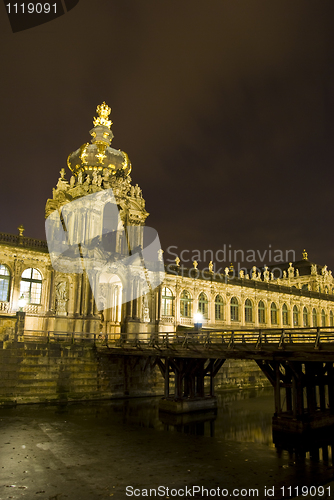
{"type": "Point", "coordinates": [185, 383]}
{"type": "Point", "coordinates": [304, 394]}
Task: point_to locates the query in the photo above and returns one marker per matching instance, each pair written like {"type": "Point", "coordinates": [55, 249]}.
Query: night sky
{"type": "Point", "coordinates": [225, 108]}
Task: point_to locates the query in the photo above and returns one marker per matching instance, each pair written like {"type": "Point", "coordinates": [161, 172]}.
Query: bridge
{"type": "Point", "coordinates": [298, 362]}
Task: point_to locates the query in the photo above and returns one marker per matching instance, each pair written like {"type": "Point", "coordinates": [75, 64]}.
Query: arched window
{"type": "Point", "coordinates": [295, 316]}
{"type": "Point", "coordinates": [110, 226]}
{"type": "Point", "coordinates": [285, 315]}
{"type": "Point", "coordinates": [273, 313]}
{"type": "Point", "coordinates": [326, 289]}
{"type": "Point", "coordinates": [331, 319]}
{"type": "Point", "coordinates": [305, 287]}
{"type": "Point", "coordinates": [203, 304]}
{"type": "Point", "coordinates": [219, 307]}
{"type": "Point", "coordinates": [323, 318]}
{"type": "Point", "coordinates": [314, 317]}
{"type": "Point", "coordinates": [234, 309]}
{"type": "Point", "coordinates": [261, 312]}
{"type": "Point", "coordinates": [167, 302]}
{"type": "Point", "coordinates": [248, 311]}
{"type": "Point", "coordinates": [305, 317]}
{"type": "Point", "coordinates": [31, 286]}
{"type": "Point", "coordinates": [185, 304]}
{"type": "Point", "coordinates": [4, 283]}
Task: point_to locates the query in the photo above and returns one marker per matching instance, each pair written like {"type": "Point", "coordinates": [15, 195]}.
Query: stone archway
{"type": "Point", "coordinates": [111, 289]}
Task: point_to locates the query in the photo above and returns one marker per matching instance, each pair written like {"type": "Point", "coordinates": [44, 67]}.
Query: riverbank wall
{"type": "Point", "coordinates": [41, 372]}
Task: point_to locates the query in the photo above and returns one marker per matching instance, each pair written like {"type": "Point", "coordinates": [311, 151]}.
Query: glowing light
{"type": "Point", "coordinates": [22, 302]}
{"type": "Point", "coordinates": [198, 317]}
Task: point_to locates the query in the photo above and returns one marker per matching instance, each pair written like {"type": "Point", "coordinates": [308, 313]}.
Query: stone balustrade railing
{"type": "Point", "coordinates": [23, 241]}
{"type": "Point", "coordinates": [4, 307]}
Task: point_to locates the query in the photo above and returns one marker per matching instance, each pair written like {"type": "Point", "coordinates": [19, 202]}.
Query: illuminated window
{"type": "Point", "coordinates": [234, 309]}
{"type": "Point", "coordinates": [185, 304]}
{"type": "Point", "coordinates": [31, 286]}
{"type": "Point", "coordinates": [305, 317]}
{"type": "Point", "coordinates": [248, 311]}
{"type": "Point", "coordinates": [261, 312]}
{"type": "Point", "coordinates": [203, 304]}
{"type": "Point", "coordinates": [314, 317]}
{"type": "Point", "coordinates": [323, 318]}
{"type": "Point", "coordinates": [4, 283]}
{"type": "Point", "coordinates": [219, 307]}
{"type": "Point", "coordinates": [273, 313]}
{"type": "Point", "coordinates": [285, 315]}
{"type": "Point", "coordinates": [167, 302]}
{"type": "Point", "coordinates": [331, 319]}
{"type": "Point", "coordinates": [295, 316]}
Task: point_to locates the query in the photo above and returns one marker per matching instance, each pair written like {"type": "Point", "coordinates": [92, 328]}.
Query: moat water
{"type": "Point", "coordinates": [125, 448]}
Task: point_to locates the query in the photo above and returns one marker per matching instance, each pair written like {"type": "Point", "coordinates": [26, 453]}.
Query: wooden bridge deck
{"type": "Point", "coordinates": [295, 344]}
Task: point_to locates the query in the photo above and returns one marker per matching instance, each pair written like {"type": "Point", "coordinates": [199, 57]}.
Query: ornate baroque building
{"type": "Point", "coordinates": [62, 300]}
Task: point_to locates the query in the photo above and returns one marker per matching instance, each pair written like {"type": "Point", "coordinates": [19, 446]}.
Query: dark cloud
{"type": "Point", "coordinates": [226, 110]}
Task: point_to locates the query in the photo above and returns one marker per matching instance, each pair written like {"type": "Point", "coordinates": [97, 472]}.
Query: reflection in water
{"type": "Point", "coordinates": [197, 424]}
{"type": "Point", "coordinates": [243, 419]}
{"type": "Point", "coordinates": [316, 446]}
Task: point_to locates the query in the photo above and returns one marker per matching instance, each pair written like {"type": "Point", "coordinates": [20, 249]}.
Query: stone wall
{"type": "Point", "coordinates": [34, 372]}
{"type": "Point", "coordinates": [240, 374]}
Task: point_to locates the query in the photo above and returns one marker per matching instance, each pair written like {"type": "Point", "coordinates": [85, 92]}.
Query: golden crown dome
{"type": "Point", "coordinates": [99, 155]}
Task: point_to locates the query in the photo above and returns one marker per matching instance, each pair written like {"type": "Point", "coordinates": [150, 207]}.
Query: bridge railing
{"type": "Point", "coordinates": [60, 336]}
{"type": "Point", "coordinates": [229, 339]}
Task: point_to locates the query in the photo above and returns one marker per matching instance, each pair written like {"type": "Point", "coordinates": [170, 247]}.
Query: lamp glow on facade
{"type": "Point", "coordinates": [22, 302]}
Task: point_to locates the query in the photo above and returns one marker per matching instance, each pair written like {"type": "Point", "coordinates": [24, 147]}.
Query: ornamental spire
{"type": "Point", "coordinates": [103, 110]}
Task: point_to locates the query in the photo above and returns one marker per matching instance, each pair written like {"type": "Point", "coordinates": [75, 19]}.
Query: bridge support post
{"type": "Point", "coordinates": [302, 403]}
{"type": "Point", "coordinates": [187, 377]}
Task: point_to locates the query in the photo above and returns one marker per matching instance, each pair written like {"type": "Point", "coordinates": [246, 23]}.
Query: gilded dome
{"type": "Point", "coordinates": [98, 155]}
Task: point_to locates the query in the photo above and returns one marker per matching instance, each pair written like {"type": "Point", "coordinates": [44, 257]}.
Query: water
{"type": "Point", "coordinates": [97, 450]}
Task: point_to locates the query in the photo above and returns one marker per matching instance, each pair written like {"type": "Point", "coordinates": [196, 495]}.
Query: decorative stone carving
{"type": "Point", "coordinates": [314, 269]}
{"type": "Point", "coordinates": [254, 273]}
{"type": "Point", "coordinates": [291, 271]}
{"type": "Point", "coordinates": [145, 308]}
{"type": "Point", "coordinates": [195, 264]}
{"type": "Point", "coordinates": [80, 177]}
{"type": "Point", "coordinates": [61, 297]}
{"type": "Point", "coordinates": [266, 274]}
{"type": "Point", "coordinates": [177, 261]}
{"type": "Point", "coordinates": [324, 271]}
{"type": "Point", "coordinates": [137, 191]}
{"type": "Point", "coordinates": [241, 274]}
{"type": "Point", "coordinates": [211, 266]}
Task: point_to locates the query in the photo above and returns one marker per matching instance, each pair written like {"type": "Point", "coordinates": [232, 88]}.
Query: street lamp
{"type": "Point", "coordinates": [198, 320]}
{"type": "Point", "coordinates": [22, 302]}
{"type": "Point", "coordinates": [20, 318]}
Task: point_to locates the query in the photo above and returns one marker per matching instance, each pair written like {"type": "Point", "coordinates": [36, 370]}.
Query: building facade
{"type": "Point", "coordinates": [61, 298]}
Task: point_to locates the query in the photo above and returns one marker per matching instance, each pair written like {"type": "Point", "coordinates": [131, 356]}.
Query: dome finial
{"type": "Point", "coordinates": [103, 110]}
{"type": "Point", "coordinates": [305, 256]}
